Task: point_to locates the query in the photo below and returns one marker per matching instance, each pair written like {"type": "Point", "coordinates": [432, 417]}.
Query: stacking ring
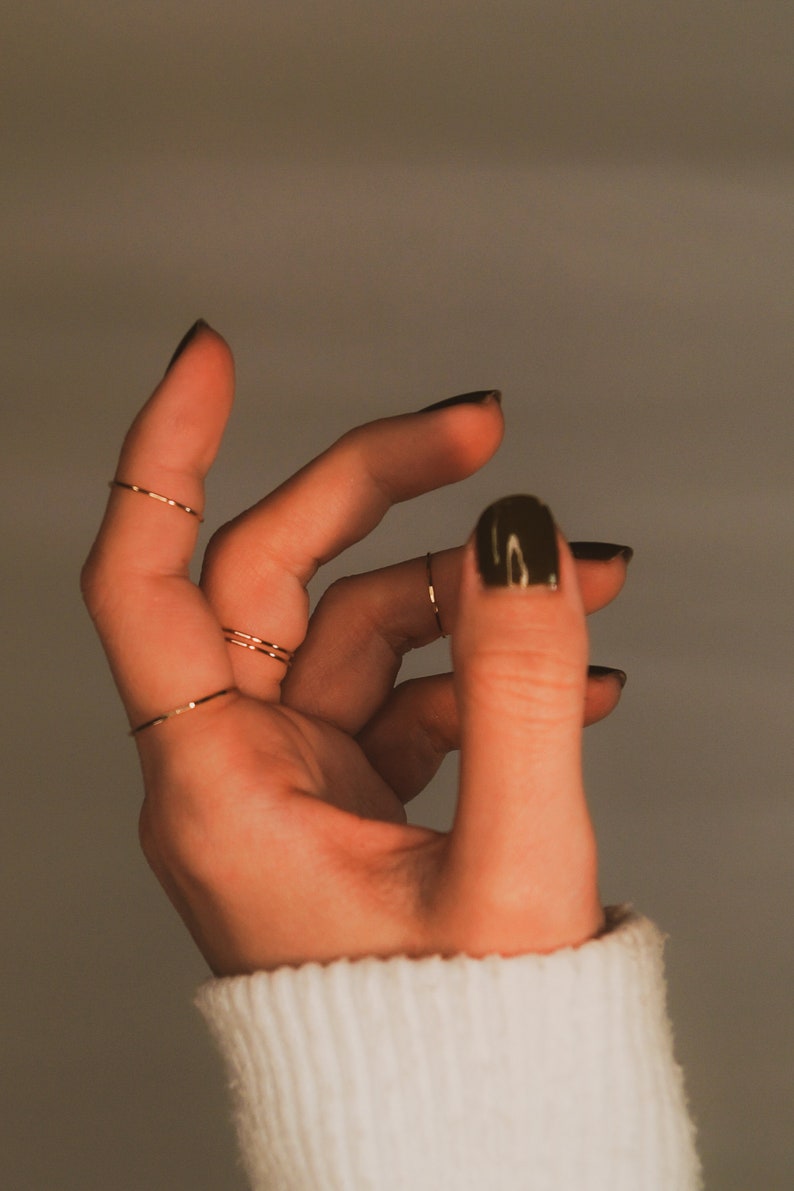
{"type": "Point", "coordinates": [166, 500]}
{"type": "Point", "coordinates": [431, 591]}
{"type": "Point", "coordinates": [194, 703]}
{"type": "Point", "coordinates": [249, 641]}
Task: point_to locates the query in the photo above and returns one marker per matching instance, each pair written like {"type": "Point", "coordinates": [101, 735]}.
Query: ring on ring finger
{"type": "Point", "coordinates": [431, 591]}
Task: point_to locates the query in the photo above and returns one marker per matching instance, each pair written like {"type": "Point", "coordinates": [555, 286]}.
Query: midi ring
{"type": "Point", "coordinates": [431, 591]}
{"type": "Point", "coordinates": [166, 500]}
{"type": "Point", "coordinates": [191, 706]}
{"type": "Point", "coordinates": [249, 641]}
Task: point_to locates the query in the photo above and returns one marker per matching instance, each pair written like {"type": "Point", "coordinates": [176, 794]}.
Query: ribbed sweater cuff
{"type": "Point", "coordinates": [549, 1072]}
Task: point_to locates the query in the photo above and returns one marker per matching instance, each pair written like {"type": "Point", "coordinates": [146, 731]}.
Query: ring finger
{"type": "Point", "coordinates": [365, 624]}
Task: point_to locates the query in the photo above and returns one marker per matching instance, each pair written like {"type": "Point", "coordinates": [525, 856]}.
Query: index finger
{"type": "Point", "coordinates": [264, 559]}
{"type": "Point", "coordinates": [162, 639]}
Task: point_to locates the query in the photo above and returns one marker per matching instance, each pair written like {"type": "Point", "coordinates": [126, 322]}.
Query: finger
{"type": "Point", "coordinates": [604, 687]}
{"type": "Point", "coordinates": [415, 729]}
{"type": "Point", "coordinates": [365, 624]}
{"type": "Point", "coordinates": [162, 640]}
{"type": "Point", "coordinates": [522, 854]}
{"type": "Point", "coordinates": [600, 571]}
{"type": "Point", "coordinates": [257, 567]}
{"type": "Point", "coordinates": [359, 633]}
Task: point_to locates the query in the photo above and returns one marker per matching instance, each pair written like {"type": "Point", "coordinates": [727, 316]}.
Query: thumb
{"type": "Point", "coordinates": [522, 856]}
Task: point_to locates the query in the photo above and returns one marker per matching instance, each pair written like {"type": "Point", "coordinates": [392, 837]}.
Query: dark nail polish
{"type": "Point", "coordinates": [600, 551]}
{"type": "Point", "coordinates": [185, 340]}
{"type": "Point", "coordinates": [517, 544]}
{"type": "Point", "coordinates": [478, 398]}
{"type": "Point", "coordinates": [607, 672]}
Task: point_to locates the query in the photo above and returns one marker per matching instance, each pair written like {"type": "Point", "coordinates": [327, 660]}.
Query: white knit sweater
{"type": "Point", "coordinates": [549, 1073]}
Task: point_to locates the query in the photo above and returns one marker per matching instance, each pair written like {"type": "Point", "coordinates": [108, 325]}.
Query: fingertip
{"type": "Point", "coordinates": [477, 434]}
{"type": "Point", "coordinates": [416, 452]}
{"type": "Point", "coordinates": [608, 674]}
{"type": "Point", "coordinates": [180, 427]}
{"type": "Point", "coordinates": [481, 397]}
{"type": "Point", "coordinates": [518, 545]}
{"type": "Point", "coordinates": [214, 348]}
{"type": "Point", "coordinates": [185, 341]}
{"type": "Point", "coordinates": [603, 694]}
{"type": "Point", "coordinates": [473, 423]}
{"type": "Point", "coordinates": [202, 366]}
{"type": "Point", "coordinates": [603, 552]}
{"type": "Point", "coordinates": [499, 617]}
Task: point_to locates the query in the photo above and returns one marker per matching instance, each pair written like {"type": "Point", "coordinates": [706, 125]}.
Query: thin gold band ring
{"type": "Point", "coordinates": [431, 591]}
{"type": "Point", "coordinates": [191, 706]}
{"type": "Point", "coordinates": [258, 645]}
{"type": "Point", "coordinates": [166, 500]}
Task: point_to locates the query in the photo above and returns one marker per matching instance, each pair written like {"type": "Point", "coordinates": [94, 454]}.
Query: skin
{"type": "Point", "coordinates": [274, 816]}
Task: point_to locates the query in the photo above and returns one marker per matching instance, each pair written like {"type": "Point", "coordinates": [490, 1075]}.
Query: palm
{"type": "Point", "coordinates": [329, 764]}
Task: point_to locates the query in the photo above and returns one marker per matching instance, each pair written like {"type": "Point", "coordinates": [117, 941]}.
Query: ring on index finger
{"type": "Point", "coordinates": [166, 500]}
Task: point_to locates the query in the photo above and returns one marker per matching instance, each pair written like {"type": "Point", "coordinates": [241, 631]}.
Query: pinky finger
{"type": "Point", "coordinates": [604, 688]}
{"type": "Point", "coordinates": [412, 733]}
{"type": "Point", "coordinates": [406, 742]}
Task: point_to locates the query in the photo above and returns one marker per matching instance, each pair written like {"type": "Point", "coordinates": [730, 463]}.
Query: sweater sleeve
{"type": "Point", "coordinates": [542, 1072]}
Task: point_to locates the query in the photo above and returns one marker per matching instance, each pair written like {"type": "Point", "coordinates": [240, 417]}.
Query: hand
{"type": "Point", "coordinates": [274, 814]}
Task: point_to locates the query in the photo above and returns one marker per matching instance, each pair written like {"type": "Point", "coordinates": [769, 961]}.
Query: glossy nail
{"type": "Point", "coordinates": [516, 544]}
{"type": "Point", "coordinates": [600, 551]}
{"type": "Point", "coordinates": [185, 340]}
{"type": "Point", "coordinates": [478, 398]}
{"type": "Point", "coordinates": [607, 672]}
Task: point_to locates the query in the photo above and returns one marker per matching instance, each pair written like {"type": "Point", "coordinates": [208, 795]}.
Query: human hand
{"type": "Point", "coordinates": [274, 814]}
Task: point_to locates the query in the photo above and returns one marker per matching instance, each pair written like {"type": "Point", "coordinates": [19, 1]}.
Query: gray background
{"type": "Point", "coordinates": [382, 204]}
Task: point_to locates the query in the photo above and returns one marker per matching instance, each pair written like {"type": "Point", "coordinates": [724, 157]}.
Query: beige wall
{"type": "Point", "coordinates": [380, 204]}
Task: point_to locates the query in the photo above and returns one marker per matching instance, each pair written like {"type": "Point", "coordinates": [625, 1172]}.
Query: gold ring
{"type": "Point", "coordinates": [432, 593]}
{"type": "Point", "coordinates": [167, 715]}
{"type": "Point", "coordinates": [166, 500]}
{"type": "Point", "coordinates": [249, 641]}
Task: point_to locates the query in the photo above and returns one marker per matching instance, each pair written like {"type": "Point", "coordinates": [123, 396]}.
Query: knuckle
{"type": "Point", "coordinates": [430, 706]}
{"type": "Point", "coordinates": [519, 672]}
{"type": "Point", "coordinates": [181, 840]}
{"type": "Point", "coordinates": [229, 556]}
{"type": "Point", "coordinates": [352, 441]}
{"type": "Point", "coordinates": [340, 594]}
{"type": "Point", "coordinates": [219, 545]}
{"type": "Point", "coordinates": [226, 556]}
{"type": "Point", "coordinates": [357, 452]}
{"type": "Point", "coordinates": [89, 584]}
{"type": "Point", "coordinates": [94, 584]}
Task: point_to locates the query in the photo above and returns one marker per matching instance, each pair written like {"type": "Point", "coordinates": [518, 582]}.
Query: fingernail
{"type": "Point", "coordinates": [607, 672]}
{"type": "Point", "coordinates": [600, 551]}
{"type": "Point", "coordinates": [516, 544]}
{"type": "Point", "coordinates": [185, 340]}
{"type": "Point", "coordinates": [478, 398]}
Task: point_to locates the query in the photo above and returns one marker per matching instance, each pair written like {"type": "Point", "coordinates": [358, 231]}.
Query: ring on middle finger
{"type": "Point", "coordinates": [259, 645]}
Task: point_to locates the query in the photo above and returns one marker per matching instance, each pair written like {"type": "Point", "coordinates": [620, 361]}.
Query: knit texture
{"type": "Point", "coordinates": [549, 1073]}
